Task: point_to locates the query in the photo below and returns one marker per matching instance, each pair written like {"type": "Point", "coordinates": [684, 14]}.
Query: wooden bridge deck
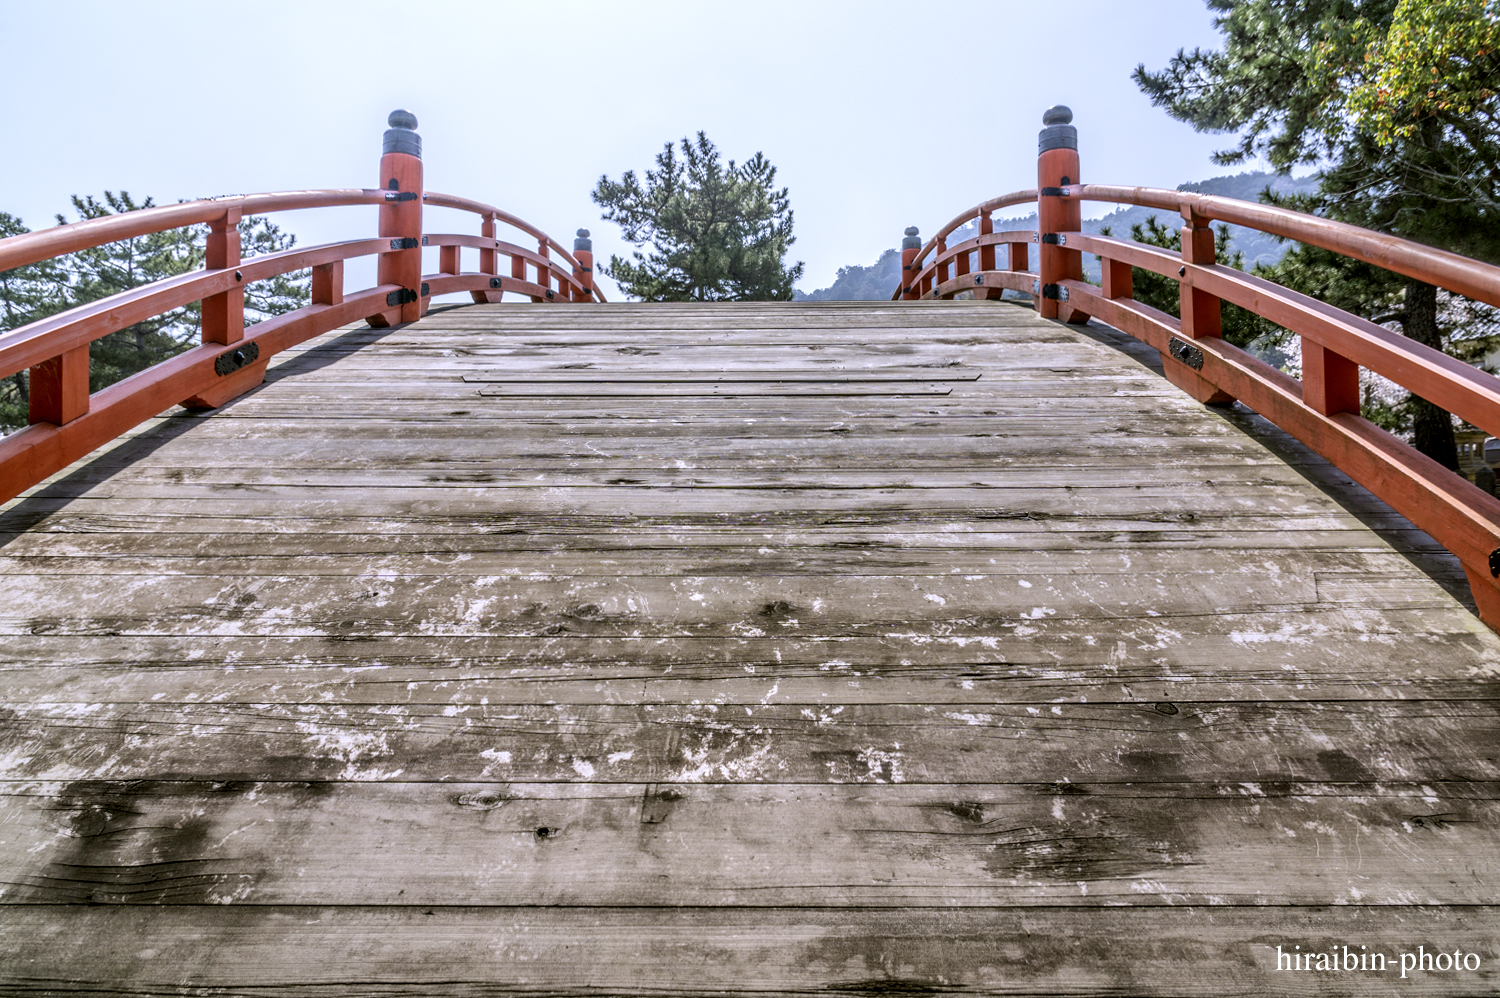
{"type": "Point", "coordinates": [1013, 670]}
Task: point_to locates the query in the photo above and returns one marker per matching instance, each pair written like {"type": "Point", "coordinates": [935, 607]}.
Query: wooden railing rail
{"type": "Point", "coordinates": [66, 421]}
{"type": "Point", "coordinates": [1323, 409]}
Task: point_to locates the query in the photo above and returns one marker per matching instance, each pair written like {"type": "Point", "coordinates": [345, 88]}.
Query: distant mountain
{"type": "Point", "coordinates": [876, 282]}
{"type": "Point", "coordinates": [856, 283]}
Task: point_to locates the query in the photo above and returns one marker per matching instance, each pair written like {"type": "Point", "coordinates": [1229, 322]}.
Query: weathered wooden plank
{"type": "Point", "coordinates": [1338, 572]}
{"type": "Point", "coordinates": [1227, 743]}
{"type": "Point", "coordinates": [644, 389]}
{"type": "Point", "coordinates": [383, 602]}
{"type": "Point", "coordinates": [712, 375]}
{"type": "Point", "coordinates": [577, 844]}
{"type": "Point", "coordinates": [1348, 654]}
{"type": "Point", "coordinates": [469, 951]}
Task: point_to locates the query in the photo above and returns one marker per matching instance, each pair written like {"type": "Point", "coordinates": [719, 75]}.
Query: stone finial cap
{"type": "Point", "coordinates": [1059, 132]}
{"type": "Point", "coordinates": [402, 136]}
{"type": "Point", "coordinates": [912, 240]}
{"type": "Point", "coordinates": [583, 244]}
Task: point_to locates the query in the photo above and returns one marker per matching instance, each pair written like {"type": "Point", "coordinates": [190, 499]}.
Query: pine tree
{"type": "Point", "coordinates": [717, 232]}
{"type": "Point", "coordinates": [1311, 81]}
{"type": "Point", "coordinates": [34, 292]}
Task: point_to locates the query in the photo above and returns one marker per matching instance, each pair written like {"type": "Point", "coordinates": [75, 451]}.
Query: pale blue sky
{"type": "Point", "coordinates": [877, 115]}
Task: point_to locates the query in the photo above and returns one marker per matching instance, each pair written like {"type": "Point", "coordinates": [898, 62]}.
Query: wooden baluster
{"type": "Point", "coordinates": [1057, 212]}
{"type": "Point", "coordinates": [1118, 279]}
{"type": "Point", "coordinates": [1330, 381]}
{"type": "Point", "coordinates": [328, 283]}
{"type": "Point", "coordinates": [488, 262]}
{"type": "Point", "coordinates": [58, 390]}
{"type": "Point", "coordinates": [940, 271]}
{"type": "Point", "coordinates": [224, 313]}
{"type": "Point", "coordinates": [1020, 257]}
{"type": "Point", "coordinates": [910, 247]}
{"type": "Point", "coordinates": [986, 259]}
{"type": "Point", "coordinates": [401, 219]}
{"type": "Point", "coordinates": [583, 252]}
{"type": "Point", "coordinates": [1200, 310]}
{"type": "Point", "coordinates": [448, 259]}
{"type": "Point", "coordinates": [543, 273]}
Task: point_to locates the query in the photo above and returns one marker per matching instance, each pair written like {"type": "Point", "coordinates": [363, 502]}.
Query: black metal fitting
{"type": "Point", "coordinates": [232, 360]}
{"type": "Point", "coordinates": [409, 242]}
{"type": "Point", "coordinates": [405, 296]}
{"type": "Point", "coordinates": [1192, 357]}
{"type": "Point", "coordinates": [400, 195]}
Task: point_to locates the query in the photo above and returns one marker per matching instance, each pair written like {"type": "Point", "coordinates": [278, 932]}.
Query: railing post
{"type": "Point", "coordinates": [1118, 280]}
{"type": "Point", "coordinates": [1200, 310]}
{"type": "Point", "coordinates": [401, 215]}
{"type": "Point", "coordinates": [583, 252]}
{"type": "Point", "coordinates": [328, 283]}
{"type": "Point", "coordinates": [223, 314]}
{"type": "Point", "coordinates": [1330, 381]}
{"type": "Point", "coordinates": [543, 275]}
{"type": "Point", "coordinates": [910, 247]}
{"type": "Point", "coordinates": [58, 390]}
{"type": "Point", "coordinates": [940, 269]}
{"type": "Point", "coordinates": [1057, 211]}
{"type": "Point", "coordinates": [488, 262]}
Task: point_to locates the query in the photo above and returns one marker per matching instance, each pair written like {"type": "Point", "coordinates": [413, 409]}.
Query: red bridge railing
{"type": "Point", "coordinates": [66, 421]}
{"type": "Point", "coordinates": [1323, 409]}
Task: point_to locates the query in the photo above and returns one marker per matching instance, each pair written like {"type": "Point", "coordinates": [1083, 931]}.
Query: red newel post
{"type": "Point", "coordinates": [910, 247]}
{"type": "Point", "coordinates": [1200, 310]}
{"type": "Point", "coordinates": [583, 252]}
{"type": "Point", "coordinates": [401, 215]}
{"type": "Point", "coordinates": [60, 388]}
{"type": "Point", "coordinates": [224, 313]}
{"type": "Point", "coordinates": [1057, 212]}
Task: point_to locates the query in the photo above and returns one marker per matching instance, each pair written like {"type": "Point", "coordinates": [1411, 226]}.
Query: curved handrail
{"type": "Point", "coordinates": [1456, 273]}
{"type": "Point", "coordinates": [1323, 409]}
{"type": "Point", "coordinates": [67, 421]}
{"type": "Point", "coordinates": [33, 247]}
{"type": "Point", "coordinates": [480, 208]}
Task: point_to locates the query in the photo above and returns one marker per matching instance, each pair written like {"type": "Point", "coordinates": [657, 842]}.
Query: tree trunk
{"type": "Point", "coordinates": [1433, 426]}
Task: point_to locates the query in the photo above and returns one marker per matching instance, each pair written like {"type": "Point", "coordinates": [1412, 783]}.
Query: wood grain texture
{"type": "Point", "coordinates": [621, 680]}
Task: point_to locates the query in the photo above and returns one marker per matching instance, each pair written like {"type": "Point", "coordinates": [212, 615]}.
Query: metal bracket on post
{"type": "Point", "coordinates": [1054, 239]}
{"type": "Point", "coordinates": [232, 360]}
{"type": "Point", "coordinates": [1187, 353]}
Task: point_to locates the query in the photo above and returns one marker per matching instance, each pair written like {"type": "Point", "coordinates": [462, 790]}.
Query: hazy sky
{"type": "Point", "coordinates": [877, 115]}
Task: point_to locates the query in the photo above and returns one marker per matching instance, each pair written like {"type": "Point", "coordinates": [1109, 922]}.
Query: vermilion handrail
{"type": "Point", "coordinates": [1323, 409]}
{"type": "Point", "coordinates": [67, 421]}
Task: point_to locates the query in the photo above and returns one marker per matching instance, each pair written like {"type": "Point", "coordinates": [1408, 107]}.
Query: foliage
{"type": "Point", "coordinates": [717, 232]}
{"type": "Point", "coordinates": [28, 294]}
{"type": "Point", "coordinates": [116, 267]}
{"type": "Point", "coordinates": [1438, 63]}
{"type": "Point", "coordinates": [1342, 82]}
{"type": "Point", "coordinates": [856, 283]}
